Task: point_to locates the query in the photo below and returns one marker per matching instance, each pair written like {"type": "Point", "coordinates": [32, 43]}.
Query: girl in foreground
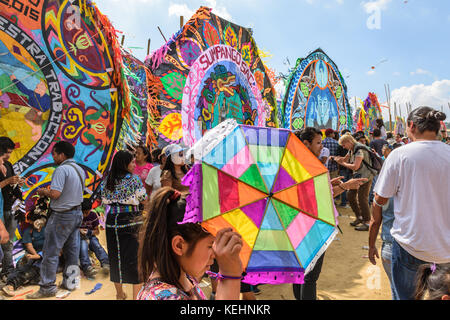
{"type": "Point", "coordinates": [173, 257]}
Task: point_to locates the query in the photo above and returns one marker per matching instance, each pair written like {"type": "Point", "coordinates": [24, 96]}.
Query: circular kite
{"type": "Point", "coordinates": [316, 96]}
{"type": "Point", "coordinates": [60, 79]}
{"type": "Point", "coordinates": [266, 185]}
{"type": "Point", "coordinates": [207, 72]}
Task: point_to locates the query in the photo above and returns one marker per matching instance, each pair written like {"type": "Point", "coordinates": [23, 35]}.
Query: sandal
{"type": "Point", "coordinates": [356, 222]}
{"type": "Point", "coordinates": [9, 291]}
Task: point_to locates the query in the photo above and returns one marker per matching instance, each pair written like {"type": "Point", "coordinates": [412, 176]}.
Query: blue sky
{"type": "Point", "coordinates": [406, 41]}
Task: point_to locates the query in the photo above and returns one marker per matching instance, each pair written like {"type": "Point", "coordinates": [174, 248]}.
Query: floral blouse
{"type": "Point", "coordinates": [155, 289]}
{"type": "Point", "coordinates": [128, 191]}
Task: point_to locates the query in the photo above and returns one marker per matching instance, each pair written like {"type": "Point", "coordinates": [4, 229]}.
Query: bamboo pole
{"type": "Point", "coordinates": [181, 22]}
{"type": "Point", "coordinates": [162, 34]}
{"type": "Point", "coordinates": [148, 47]}
{"type": "Point", "coordinates": [388, 98]}
{"type": "Point", "coordinates": [123, 40]}
{"type": "Point", "coordinates": [395, 110]}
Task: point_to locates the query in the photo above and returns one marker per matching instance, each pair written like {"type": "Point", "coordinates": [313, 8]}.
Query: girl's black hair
{"type": "Point", "coordinates": [148, 156]}
{"type": "Point", "coordinates": [155, 252]}
{"type": "Point", "coordinates": [6, 143]}
{"type": "Point", "coordinates": [432, 285]}
{"type": "Point", "coordinates": [64, 147]}
{"type": "Point", "coordinates": [379, 123]}
{"type": "Point", "coordinates": [426, 119]}
{"type": "Point", "coordinates": [155, 154]}
{"type": "Point", "coordinates": [118, 168]}
{"type": "Point", "coordinates": [308, 134]}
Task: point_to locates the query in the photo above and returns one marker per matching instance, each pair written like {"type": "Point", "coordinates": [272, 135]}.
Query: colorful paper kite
{"type": "Point", "coordinates": [267, 186]}
{"type": "Point", "coordinates": [316, 96]}
{"type": "Point", "coordinates": [207, 72]}
{"type": "Point", "coordinates": [370, 111]}
{"type": "Point", "coordinates": [61, 78]}
{"type": "Point", "coordinates": [135, 125]}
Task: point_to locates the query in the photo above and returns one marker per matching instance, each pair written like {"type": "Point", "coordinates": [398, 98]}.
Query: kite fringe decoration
{"type": "Point", "coordinates": [255, 278]}
{"type": "Point", "coordinates": [154, 87]}
{"type": "Point", "coordinates": [111, 35]}
{"type": "Point", "coordinates": [157, 57]}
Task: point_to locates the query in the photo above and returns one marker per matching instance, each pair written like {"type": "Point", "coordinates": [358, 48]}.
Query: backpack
{"type": "Point", "coordinates": [375, 159]}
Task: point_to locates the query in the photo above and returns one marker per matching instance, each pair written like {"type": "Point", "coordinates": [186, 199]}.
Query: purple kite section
{"type": "Point", "coordinates": [193, 179]}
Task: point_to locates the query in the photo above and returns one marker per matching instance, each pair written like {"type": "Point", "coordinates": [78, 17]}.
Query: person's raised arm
{"type": "Point", "coordinates": [348, 185]}
{"type": "Point", "coordinates": [227, 247]}
{"type": "Point", "coordinates": [52, 194]}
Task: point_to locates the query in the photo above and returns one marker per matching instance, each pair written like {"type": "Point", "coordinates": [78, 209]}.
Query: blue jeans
{"type": "Point", "coordinates": [386, 259]}
{"type": "Point", "coordinates": [371, 195]}
{"type": "Point", "coordinates": [10, 225]}
{"type": "Point", "coordinates": [404, 269]}
{"type": "Point", "coordinates": [61, 233]}
{"type": "Point", "coordinates": [94, 245]}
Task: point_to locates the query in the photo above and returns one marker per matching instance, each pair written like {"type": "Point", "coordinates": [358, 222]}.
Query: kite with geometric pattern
{"type": "Point", "coordinates": [267, 186]}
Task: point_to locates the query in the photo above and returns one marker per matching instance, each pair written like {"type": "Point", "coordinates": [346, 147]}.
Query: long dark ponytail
{"type": "Point", "coordinates": [118, 168]}
{"type": "Point", "coordinates": [155, 252]}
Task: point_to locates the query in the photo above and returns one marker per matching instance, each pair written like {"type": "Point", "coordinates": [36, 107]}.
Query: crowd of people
{"type": "Point", "coordinates": [400, 184]}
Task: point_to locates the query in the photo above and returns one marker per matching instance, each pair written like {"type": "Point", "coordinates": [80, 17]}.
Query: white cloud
{"type": "Point", "coordinates": [180, 10]}
{"type": "Point", "coordinates": [371, 72]}
{"type": "Point", "coordinates": [420, 71]}
{"type": "Point", "coordinates": [377, 5]}
{"type": "Point", "coordinates": [219, 10]}
{"type": "Point", "coordinates": [185, 11]}
{"type": "Point", "coordinates": [435, 95]}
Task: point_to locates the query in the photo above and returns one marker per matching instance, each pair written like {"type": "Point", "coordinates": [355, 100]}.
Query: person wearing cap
{"type": "Point", "coordinates": [332, 145]}
{"type": "Point", "coordinates": [174, 169]}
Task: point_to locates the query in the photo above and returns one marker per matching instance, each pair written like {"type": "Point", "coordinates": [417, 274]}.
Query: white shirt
{"type": "Point", "coordinates": [383, 133]}
{"type": "Point", "coordinates": [325, 153]}
{"type": "Point", "coordinates": [417, 175]}
{"type": "Point", "coordinates": [154, 178]}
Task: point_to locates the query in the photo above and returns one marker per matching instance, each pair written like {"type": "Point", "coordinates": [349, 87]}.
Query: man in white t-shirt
{"type": "Point", "coordinates": [153, 180]}
{"type": "Point", "coordinates": [417, 176]}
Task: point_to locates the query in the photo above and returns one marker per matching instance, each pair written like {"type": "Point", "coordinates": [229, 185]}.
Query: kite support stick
{"type": "Point", "coordinates": [148, 47]}
{"type": "Point", "coordinates": [181, 22]}
{"type": "Point", "coordinates": [162, 34]}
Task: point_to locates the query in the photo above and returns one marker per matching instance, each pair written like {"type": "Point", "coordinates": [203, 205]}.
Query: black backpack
{"type": "Point", "coordinates": [375, 159]}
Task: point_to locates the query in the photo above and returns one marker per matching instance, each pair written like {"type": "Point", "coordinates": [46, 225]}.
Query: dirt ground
{"type": "Point", "coordinates": [346, 274]}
